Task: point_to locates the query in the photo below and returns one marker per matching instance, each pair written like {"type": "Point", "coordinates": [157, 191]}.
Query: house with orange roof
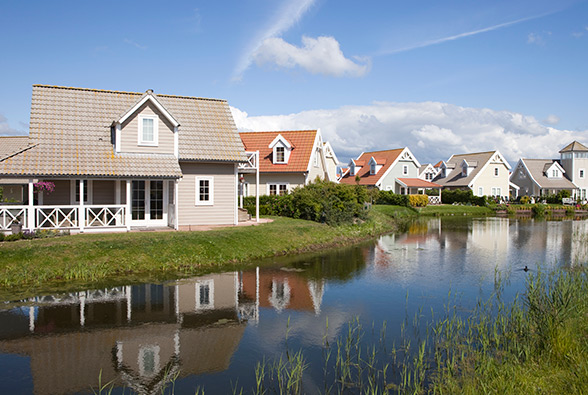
{"type": "Point", "coordinates": [288, 159]}
{"type": "Point", "coordinates": [395, 170]}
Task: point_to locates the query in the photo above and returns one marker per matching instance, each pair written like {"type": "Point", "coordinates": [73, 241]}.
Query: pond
{"type": "Point", "coordinates": [210, 332]}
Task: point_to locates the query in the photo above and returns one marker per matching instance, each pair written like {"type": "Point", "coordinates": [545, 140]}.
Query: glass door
{"type": "Point", "coordinates": [138, 202]}
{"type": "Point", "coordinates": [156, 200]}
{"type": "Point", "coordinates": [149, 202]}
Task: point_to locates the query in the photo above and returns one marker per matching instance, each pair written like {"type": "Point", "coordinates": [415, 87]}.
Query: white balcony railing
{"type": "Point", "coordinates": [64, 217]}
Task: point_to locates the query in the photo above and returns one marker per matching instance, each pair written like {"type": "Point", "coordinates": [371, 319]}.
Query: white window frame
{"type": "Point", "coordinates": [372, 169]}
{"type": "Point", "coordinates": [276, 154]}
{"type": "Point", "coordinates": [404, 170]}
{"type": "Point", "coordinates": [278, 185]}
{"type": "Point", "coordinates": [75, 188]}
{"type": "Point", "coordinates": [198, 286]}
{"type": "Point", "coordinates": [496, 172]}
{"type": "Point", "coordinates": [140, 140]}
{"type": "Point", "coordinates": [581, 173]}
{"type": "Point", "coordinates": [153, 348]}
{"type": "Point", "coordinates": [210, 201]}
{"type": "Point", "coordinates": [480, 191]}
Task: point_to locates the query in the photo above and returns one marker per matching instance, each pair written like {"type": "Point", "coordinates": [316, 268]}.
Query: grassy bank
{"type": "Point", "coordinates": [29, 265]}
{"type": "Point", "coordinates": [443, 210]}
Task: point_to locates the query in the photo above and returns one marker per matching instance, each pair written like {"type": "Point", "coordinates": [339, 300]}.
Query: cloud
{"type": "Point", "coordinates": [580, 33]}
{"type": "Point", "coordinates": [460, 35]}
{"type": "Point", "coordinates": [134, 44]}
{"type": "Point", "coordinates": [321, 55]}
{"type": "Point", "coordinates": [6, 130]}
{"type": "Point", "coordinates": [552, 119]}
{"type": "Point", "coordinates": [536, 38]}
{"type": "Point", "coordinates": [432, 130]}
{"type": "Point", "coordinates": [287, 16]}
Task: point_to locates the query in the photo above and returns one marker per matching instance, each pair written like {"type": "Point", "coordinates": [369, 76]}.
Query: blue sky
{"type": "Point", "coordinates": [440, 77]}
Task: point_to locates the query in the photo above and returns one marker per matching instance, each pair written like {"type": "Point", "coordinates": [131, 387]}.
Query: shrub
{"type": "Point", "coordinates": [538, 210]}
{"type": "Point", "coordinates": [462, 196]}
{"type": "Point", "coordinates": [525, 200]}
{"type": "Point", "coordinates": [393, 199]}
{"type": "Point", "coordinates": [418, 200]}
{"type": "Point", "coordinates": [1, 236]}
{"type": "Point", "coordinates": [14, 237]}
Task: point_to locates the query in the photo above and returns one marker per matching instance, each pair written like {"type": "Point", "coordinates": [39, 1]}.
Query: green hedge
{"type": "Point", "coordinates": [393, 199]}
{"type": "Point", "coordinates": [462, 196]}
{"type": "Point", "coordinates": [320, 201]}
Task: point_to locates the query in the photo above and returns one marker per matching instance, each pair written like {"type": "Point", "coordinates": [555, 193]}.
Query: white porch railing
{"type": "Point", "coordinates": [64, 217]}
{"type": "Point", "coordinates": [434, 199]}
{"type": "Point", "coordinates": [12, 215]}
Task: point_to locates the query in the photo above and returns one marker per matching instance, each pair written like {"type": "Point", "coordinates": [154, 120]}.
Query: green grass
{"type": "Point", "coordinates": [455, 210]}
{"type": "Point", "coordinates": [70, 262]}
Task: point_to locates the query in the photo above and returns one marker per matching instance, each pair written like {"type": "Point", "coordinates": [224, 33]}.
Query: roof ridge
{"type": "Point", "coordinates": [384, 150]}
{"type": "Point", "coordinates": [124, 92]}
{"type": "Point", "coordinates": [281, 131]}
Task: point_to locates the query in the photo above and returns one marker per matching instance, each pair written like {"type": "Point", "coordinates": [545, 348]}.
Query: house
{"type": "Point", "coordinates": [574, 159]}
{"type": "Point", "coordinates": [394, 170]}
{"type": "Point", "coordinates": [539, 177]}
{"type": "Point", "coordinates": [288, 159]}
{"type": "Point", "coordinates": [428, 172]}
{"type": "Point", "coordinates": [485, 173]}
{"type": "Point", "coordinates": [119, 160]}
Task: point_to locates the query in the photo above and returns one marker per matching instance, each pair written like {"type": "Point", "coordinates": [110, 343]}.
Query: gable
{"type": "Point", "coordinates": [162, 130]}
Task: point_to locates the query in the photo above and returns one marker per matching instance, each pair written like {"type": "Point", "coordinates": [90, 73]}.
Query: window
{"type": "Point", "coordinates": [316, 158]}
{"type": "Point", "coordinates": [373, 169]}
{"type": "Point", "coordinates": [352, 170]}
{"type": "Point", "coordinates": [555, 173]}
{"type": "Point", "coordinates": [204, 191]}
{"type": "Point", "coordinates": [275, 189]}
{"type": "Point", "coordinates": [77, 191]}
{"type": "Point", "coordinates": [480, 191]}
{"type": "Point", "coordinates": [496, 172]}
{"type": "Point", "coordinates": [280, 155]}
{"type": "Point", "coordinates": [148, 130]}
{"type": "Point", "coordinates": [204, 294]}
{"type": "Point", "coordinates": [581, 155]}
{"type": "Point", "coordinates": [581, 173]}
{"type": "Point", "coordinates": [405, 170]}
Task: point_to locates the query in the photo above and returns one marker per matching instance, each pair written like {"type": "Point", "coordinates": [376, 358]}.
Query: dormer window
{"type": "Point", "coordinates": [555, 173]}
{"type": "Point", "coordinates": [148, 130]}
{"type": "Point", "coordinates": [352, 169]}
{"type": "Point", "coordinates": [373, 169]}
{"type": "Point", "coordinates": [280, 155]}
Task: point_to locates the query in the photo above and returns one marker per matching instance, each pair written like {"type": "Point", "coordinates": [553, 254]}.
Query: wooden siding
{"type": "Point", "coordinates": [61, 195]}
{"type": "Point", "coordinates": [103, 192]}
{"type": "Point", "coordinates": [222, 212]}
{"type": "Point", "coordinates": [130, 130]}
{"type": "Point", "coordinates": [292, 179]}
{"type": "Point", "coordinates": [396, 172]}
{"type": "Point", "coordinates": [487, 180]}
{"type": "Point", "coordinates": [318, 171]}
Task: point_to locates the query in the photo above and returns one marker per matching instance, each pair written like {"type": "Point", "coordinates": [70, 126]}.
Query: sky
{"type": "Point", "coordinates": [441, 78]}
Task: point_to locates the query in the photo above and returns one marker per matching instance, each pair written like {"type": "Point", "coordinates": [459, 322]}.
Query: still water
{"type": "Point", "coordinates": [210, 331]}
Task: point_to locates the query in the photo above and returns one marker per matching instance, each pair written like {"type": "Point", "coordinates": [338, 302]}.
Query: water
{"type": "Point", "coordinates": [210, 331]}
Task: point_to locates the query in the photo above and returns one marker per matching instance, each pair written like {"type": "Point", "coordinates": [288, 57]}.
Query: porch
{"type": "Point", "coordinates": [107, 205]}
{"type": "Point", "coordinates": [417, 186]}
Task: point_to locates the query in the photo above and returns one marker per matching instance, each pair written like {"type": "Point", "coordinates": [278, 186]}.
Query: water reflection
{"type": "Point", "coordinates": [213, 329]}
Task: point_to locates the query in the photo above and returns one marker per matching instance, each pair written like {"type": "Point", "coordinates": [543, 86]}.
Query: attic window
{"type": "Point", "coordinates": [148, 130]}
{"type": "Point", "coordinates": [496, 172]}
{"type": "Point", "coordinates": [373, 169]}
{"type": "Point", "coordinates": [280, 155]}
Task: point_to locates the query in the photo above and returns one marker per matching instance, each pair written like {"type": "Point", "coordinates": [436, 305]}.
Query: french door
{"type": "Point", "coordinates": [149, 202]}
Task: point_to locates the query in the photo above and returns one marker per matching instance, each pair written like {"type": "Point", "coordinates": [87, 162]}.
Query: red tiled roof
{"type": "Point", "coordinates": [418, 183]}
{"type": "Point", "coordinates": [438, 164]}
{"type": "Point", "coordinates": [382, 157]}
{"type": "Point", "coordinates": [302, 142]}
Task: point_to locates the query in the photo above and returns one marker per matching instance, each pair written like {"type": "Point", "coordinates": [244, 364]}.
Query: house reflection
{"type": "Point", "coordinates": [136, 336]}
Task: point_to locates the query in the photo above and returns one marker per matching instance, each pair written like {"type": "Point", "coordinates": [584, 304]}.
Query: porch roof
{"type": "Point", "coordinates": [418, 183]}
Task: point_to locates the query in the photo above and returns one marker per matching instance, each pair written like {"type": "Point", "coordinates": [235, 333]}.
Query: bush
{"type": "Point", "coordinates": [1, 236]}
{"type": "Point", "coordinates": [525, 200]}
{"type": "Point", "coordinates": [462, 196]}
{"type": "Point", "coordinates": [393, 199]}
{"type": "Point", "coordinates": [538, 210]}
{"type": "Point", "coordinates": [418, 200]}
{"type": "Point", "coordinates": [14, 237]}
{"type": "Point", "coordinates": [320, 201]}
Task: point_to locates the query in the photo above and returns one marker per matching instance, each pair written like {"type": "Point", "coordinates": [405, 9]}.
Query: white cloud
{"type": "Point", "coordinates": [135, 44]}
{"type": "Point", "coordinates": [321, 55]}
{"type": "Point", "coordinates": [7, 130]}
{"type": "Point", "coordinates": [552, 119]}
{"type": "Point", "coordinates": [287, 16]}
{"type": "Point", "coordinates": [432, 130]}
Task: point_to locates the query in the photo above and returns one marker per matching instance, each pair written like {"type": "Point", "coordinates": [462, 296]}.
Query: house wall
{"type": "Point", "coordinates": [61, 195]}
{"type": "Point", "coordinates": [396, 172]}
{"type": "Point", "coordinates": [526, 184]}
{"type": "Point", "coordinates": [103, 192]}
{"type": "Point", "coordinates": [331, 168]}
{"type": "Point", "coordinates": [222, 212]}
{"type": "Point", "coordinates": [224, 293]}
{"type": "Point", "coordinates": [292, 179]}
{"type": "Point", "coordinates": [487, 180]}
{"type": "Point", "coordinates": [130, 130]}
{"type": "Point", "coordinates": [319, 170]}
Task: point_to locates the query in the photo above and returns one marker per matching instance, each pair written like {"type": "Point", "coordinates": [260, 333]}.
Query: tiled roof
{"type": "Point", "coordinates": [454, 177]}
{"type": "Point", "coordinates": [574, 146]}
{"type": "Point", "coordinates": [302, 142]}
{"type": "Point", "coordinates": [12, 145]}
{"type": "Point", "coordinates": [72, 129]}
{"type": "Point", "coordinates": [386, 158]}
{"type": "Point", "coordinates": [537, 168]}
{"type": "Point", "coordinates": [418, 183]}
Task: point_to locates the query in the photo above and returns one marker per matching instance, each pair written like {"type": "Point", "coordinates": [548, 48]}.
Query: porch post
{"type": "Point", "coordinates": [128, 216]}
{"type": "Point", "coordinates": [257, 186]}
{"type": "Point", "coordinates": [31, 209]}
{"type": "Point", "coordinates": [236, 212]}
{"type": "Point", "coordinates": [177, 204]}
{"type": "Point", "coordinates": [82, 212]}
